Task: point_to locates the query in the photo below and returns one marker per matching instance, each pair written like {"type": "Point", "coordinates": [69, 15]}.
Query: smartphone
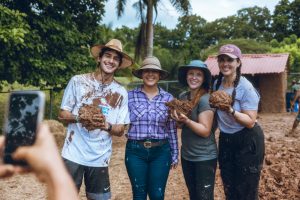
{"type": "Point", "coordinates": [25, 110]}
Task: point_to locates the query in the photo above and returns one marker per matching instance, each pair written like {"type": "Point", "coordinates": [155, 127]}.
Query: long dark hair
{"type": "Point", "coordinates": [235, 82]}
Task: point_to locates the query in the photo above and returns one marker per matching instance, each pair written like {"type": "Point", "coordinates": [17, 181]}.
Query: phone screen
{"type": "Point", "coordinates": [24, 114]}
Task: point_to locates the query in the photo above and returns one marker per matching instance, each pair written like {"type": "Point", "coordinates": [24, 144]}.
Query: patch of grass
{"type": "Point", "coordinates": [3, 100]}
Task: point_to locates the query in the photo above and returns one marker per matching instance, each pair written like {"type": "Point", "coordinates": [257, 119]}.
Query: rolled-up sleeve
{"type": "Point", "coordinates": [173, 140]}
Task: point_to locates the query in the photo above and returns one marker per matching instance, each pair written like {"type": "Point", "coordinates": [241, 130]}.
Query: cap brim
{"type": "Point", "coordinates": [228, 54]}
{"type": "Point", "coordinates": [182, 73]}
{"type": "Point", "coordinates": [126, 60]}
{"type": "Point", "coordinates": [138, 73]}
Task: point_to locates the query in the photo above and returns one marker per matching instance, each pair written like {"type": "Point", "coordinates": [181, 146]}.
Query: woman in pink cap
{"type": "Point", "coordinates": [241, 142]}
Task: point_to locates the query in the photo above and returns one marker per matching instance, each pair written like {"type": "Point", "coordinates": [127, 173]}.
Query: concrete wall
{"type": "Point", "coordinates": [272, 88]}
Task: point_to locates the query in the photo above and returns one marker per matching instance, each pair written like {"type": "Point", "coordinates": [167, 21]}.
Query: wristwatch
{"type": "Point", "coordinates": [77, 118]}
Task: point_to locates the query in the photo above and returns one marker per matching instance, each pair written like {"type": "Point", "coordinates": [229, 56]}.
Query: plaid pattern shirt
{"type": "Point", "coordinates": [149, 119]}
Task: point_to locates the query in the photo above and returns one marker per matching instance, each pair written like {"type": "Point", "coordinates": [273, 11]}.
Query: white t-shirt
{"type": "Point", "coordinates": [92, 148]}
{"type": "Point", "coordinates": [246, 98]}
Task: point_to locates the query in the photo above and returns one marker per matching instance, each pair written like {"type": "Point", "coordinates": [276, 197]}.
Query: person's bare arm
{"type": "Point", "coordinates": [204, 124]}
{"type": "Point", "coordinates": [44, 160]}
{"type": "Point", "coordinates": [297, 95]}
{"type": "Point", "coordinates": [246, 118]}
{"type": "Point", "coordinates": [116, 129]}
{"type": "Point", "coordinates": [67, 117]}
{"type": "Point", "coordinates": [202, 127]}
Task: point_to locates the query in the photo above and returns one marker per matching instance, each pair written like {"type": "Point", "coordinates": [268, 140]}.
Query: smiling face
{"type": "Point", "coordinates": [109, 61]}
{"type": "Point", "coordinates": [195, 78]}
{"type": "Point", "coordinates": [150, 77]}
{"type": "Point", "coordinates": [228, 65]}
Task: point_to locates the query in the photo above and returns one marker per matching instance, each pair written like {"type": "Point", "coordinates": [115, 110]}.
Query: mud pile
{"type": "Point", "coordinates": [281, 175]}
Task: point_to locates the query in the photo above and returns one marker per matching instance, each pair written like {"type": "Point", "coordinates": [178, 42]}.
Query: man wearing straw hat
{"type": "Point", "coordinates": [87, 152]}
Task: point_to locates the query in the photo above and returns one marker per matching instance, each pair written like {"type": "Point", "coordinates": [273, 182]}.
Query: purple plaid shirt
{"type": "Point", "coordinates": [149, 119]}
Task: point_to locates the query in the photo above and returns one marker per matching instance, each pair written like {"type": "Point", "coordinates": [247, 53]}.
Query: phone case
{"type": "Point", "coordinates": [24, 112]}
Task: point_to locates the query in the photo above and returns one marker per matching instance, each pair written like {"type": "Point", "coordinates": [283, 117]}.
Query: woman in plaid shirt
{"type": "Point", "coordinates": [152, 147]}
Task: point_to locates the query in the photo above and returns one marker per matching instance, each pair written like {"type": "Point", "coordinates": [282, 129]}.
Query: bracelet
{"type": "Point", "coordinates": [109, 127]}
{"type": "Point", "coordinates": [77, 118]}
{"type": "Point", "coordinates": [232, 112]}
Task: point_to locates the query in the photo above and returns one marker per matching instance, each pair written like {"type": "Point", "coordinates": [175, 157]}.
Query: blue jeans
{"type": "Point", "coordinates": [148, 169]}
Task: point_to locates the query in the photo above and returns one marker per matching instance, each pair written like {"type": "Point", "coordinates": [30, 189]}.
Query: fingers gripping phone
{"type": "Point", "coordinates": [25, 111]}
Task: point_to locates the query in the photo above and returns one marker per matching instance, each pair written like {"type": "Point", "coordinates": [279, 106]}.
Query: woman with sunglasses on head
{"type": "Point", "coordinates": [241, 142]}
{"type": "Point", "coordinates": [152, 147]}
{"type": "Point", "coordinates": [199, 149]}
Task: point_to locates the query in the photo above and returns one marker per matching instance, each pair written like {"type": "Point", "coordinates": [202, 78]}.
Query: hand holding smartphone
{"type": "Point", "coordinates": [25, 111]}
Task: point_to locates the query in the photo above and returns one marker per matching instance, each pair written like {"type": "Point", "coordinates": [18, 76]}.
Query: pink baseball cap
{"type": "Point", "coordinates": [230, 50]}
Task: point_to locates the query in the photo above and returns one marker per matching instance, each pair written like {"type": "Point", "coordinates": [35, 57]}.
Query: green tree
{"type": "Point", "coordinates": [281, 20]}
{"type": "Point", "coordinates": [295, 16]}
{"type": "Point", "coordinates": [56, 47]}
{"type": "Point", "coordinates": [190, 36]}
{"type": "Point", "coordinates": [249, 23]}
{"type": "Point", "coordinates": [254, 22]}
{"type": "Point", "coordinates": [13, 32]}
{"type": "Point", "coordinates": [247, 46]}
{"type": "Point", "coordinates": [145, 10]}
{"type": "Point", "coordinates": [293, 48]}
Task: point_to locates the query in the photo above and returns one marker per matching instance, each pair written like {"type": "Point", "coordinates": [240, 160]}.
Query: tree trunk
{"type": "Point", "coordinates": [149, 29]}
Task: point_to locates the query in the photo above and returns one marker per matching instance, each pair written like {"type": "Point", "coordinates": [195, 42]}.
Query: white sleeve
{"type": "Point", "coordinates": [69, 98]}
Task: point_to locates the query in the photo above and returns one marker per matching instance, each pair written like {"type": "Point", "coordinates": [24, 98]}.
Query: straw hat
{"type": "Point", "coordinates": [116, 45]}
{"type": "Point", "coordinates": [153, 63]}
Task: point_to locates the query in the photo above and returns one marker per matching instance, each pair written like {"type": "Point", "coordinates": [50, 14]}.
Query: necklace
{"type": "Point", "coordinates": [102, 84]}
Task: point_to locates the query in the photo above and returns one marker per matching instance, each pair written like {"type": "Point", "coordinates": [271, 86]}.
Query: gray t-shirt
{"type": "Point", "coordinates": [195, 147]}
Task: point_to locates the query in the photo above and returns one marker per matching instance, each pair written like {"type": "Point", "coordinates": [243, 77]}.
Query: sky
{"type": "Point", "coordinates": [167, 15]}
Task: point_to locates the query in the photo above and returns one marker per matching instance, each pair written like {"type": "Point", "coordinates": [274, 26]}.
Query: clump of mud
{"type": "Point", "coordinates": [181, 106]}
{"type": "Point", "coordinates": [91, 117]}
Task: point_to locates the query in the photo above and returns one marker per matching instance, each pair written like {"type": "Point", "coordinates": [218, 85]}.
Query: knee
{"type": "Point", "coordinates": [157, 194]}
{"type": "Point", "coordinates": [139, 191]}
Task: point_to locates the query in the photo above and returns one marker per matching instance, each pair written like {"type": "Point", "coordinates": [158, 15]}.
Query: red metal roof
{"type": "Point", "coordinates": [254, 63]}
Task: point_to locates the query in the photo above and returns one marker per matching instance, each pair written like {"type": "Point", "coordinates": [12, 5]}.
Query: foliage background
{"type": "Point", "coordinates": [45, 42]}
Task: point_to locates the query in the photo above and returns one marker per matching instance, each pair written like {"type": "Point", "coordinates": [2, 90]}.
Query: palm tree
{"type": "Point", "coordinates": [145, 38]}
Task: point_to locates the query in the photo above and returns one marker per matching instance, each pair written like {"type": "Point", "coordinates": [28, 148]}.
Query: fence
{"type": "Point", "coordinates": [53, 98]}
{"type": "Point", "coordinates": [51, 108]}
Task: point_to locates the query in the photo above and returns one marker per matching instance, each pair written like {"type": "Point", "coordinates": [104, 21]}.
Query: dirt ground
{"type": "Point", "coordinates": [280, 177]}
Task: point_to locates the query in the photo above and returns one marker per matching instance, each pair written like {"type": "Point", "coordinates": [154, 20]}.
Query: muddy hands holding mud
{"type": "Point", "coordinates": [181, 106]}
{"type": "Point", "coordinates": [220, 99]}
{"type": "Point", "coordinates": [91, 117]}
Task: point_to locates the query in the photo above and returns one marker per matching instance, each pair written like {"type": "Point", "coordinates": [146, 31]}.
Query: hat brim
{"type": "Point", "coordinates": [126, 60]}
{"type": "Point", "coordinates": [228, 54]}
{"type": "Point", "coordinates": [182, 73]}
{"type": "Point", "coordinates": [138, 73]}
